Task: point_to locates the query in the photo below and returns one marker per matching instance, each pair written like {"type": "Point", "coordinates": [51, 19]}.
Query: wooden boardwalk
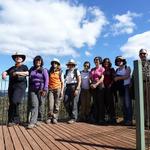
{"type": "Point", "coordinates": [63, 136]}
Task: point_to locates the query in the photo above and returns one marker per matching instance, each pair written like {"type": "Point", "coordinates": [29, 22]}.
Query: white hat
{"type": "Point", "coordinates": [55, 60]}
{"type": "Point", "coordinates": [71, 61]}
{"type": "Point", "coordinates": [18, 55]}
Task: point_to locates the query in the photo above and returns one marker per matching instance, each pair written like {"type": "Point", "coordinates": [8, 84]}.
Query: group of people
{"type": "Point", "coordinates": [87, 95]}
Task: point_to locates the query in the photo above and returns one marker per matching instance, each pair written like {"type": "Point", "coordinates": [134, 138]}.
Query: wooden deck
{"type": "Point", "coordinates": [63, 136]}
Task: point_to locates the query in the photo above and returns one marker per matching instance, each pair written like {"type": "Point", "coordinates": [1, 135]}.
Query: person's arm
{"type": "Point", "coordinates": [126, 76]}
{"type": "Point", "coordinates": [22, 73]}
{"type": "Point", "coordinates": [62, 85]}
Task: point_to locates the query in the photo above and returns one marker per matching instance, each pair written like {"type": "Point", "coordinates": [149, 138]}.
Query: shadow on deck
{"type": "Point", "coordinates": [63, 136]}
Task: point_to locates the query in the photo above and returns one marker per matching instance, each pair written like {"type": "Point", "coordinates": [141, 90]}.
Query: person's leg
{"type": "Point", "coordinates": [34, 107]}
{"type": "Point", "coordinates": [50, 106]}
{"type": "Point", "coordinates": [87, 104]}
{"type": "Point", "coordinates": [83, 104]}
{"type": "Point", "coordinates": [75, 106]}
{"type": "Point", "coordinates": [41, 109]}
{"type": "Point", "coordinates": [57, 103]}
{"type": "Point", "coordinates": [127, 106]}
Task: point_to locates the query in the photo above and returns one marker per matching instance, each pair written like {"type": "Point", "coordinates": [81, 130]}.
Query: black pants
{"type": "Point", "coordinates": [98, 109]}
{"type": "Point", "coordinates": [15, 94]}
{"type": "Point", "coordinates": [109, 102]}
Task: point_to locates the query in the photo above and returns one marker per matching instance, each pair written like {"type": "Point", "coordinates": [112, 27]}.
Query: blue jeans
{"type": "Point", "coordinates": [127, 104]}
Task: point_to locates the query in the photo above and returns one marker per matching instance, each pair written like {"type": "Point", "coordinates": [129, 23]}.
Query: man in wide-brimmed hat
{"type": "Point", "coordinates": [143, 54]}
{"type": "Point", "coordinates": [17, 86]}
{"type": "Point", "coordinates": [17, 55]}
{"type": "Point", "coordinates": [73, 83]}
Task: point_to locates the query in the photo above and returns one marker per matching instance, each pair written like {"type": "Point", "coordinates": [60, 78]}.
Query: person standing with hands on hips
{"type": "Point", "coordinates": [73, 83]}
{"type": "Point", "coordinates": [17, 86]}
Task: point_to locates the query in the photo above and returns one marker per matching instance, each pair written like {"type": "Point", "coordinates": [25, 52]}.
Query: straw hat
{"type": "Point", "coordinates": [72, 62]}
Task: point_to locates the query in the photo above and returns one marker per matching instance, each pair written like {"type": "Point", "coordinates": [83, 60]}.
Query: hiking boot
{"type": "Point", "coordinates": [38, 123]}
{"type": "Point", "coordinates": [10, 124]}
{"type": "Point", "coordinates": [71, 121]}
{"type": "Point", "coordinates": [48, 121]}
{"type": "Point", "coordinates": [54, 121]}
{"type": "Point", "coordinates": [30, 126]}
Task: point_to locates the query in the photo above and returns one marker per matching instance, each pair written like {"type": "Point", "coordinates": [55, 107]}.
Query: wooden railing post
{"type": "Point", "coordinates": [139, 99]}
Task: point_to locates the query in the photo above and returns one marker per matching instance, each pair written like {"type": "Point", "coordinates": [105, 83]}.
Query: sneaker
{"type": "Point", "coordinates": [54, 121]}
{"type": "Point", "coordinates": [71, 121]}
{"type": "Point", "coordinates": [11, 124]}
{"type": "Point", "coordinates": [30, 126]}
{"type": "Point", "coordinates": [38, 123]}
{"type": "Point", "coordinates": [128, 123]}
{"type": "Point", "coordinates": [48, 121]}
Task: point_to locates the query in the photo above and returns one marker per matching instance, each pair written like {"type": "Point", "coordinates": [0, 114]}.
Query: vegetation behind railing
{"type": "Point", "coordinates": [4, 104]}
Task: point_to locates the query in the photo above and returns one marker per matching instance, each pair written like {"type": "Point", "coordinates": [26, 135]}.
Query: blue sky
{"type": "Point", "coordinates": [78, 29]}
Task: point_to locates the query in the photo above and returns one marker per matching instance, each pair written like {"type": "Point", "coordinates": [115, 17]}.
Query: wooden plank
{"type": "Point", "coordinates": [7, 138]}
{"type": "Point", "coordinates": [106, 136]}
{"type": "Point", "coordinates": [1, 139]}
{"type": "Point", "coordinates": [58, 135]}
{"type": "Point", "coordinates": [80, 134]}
{"type": "Point", "coordinates": [51, 138]}
{"type": "Point", "coordinates": [55, 136]}
{"type": "Point", "coordinates": [22, 139]}
{"type": "Point", "coordinates": [45, 139]}
{"type": "Point", "coordinates": [16, 142]}
{"type": "Point", "coordinates": [70, 138]}
{"type": "Point", "coordinates": [38, 139]}
{"type": "Point", "coordinates": [30, 140]}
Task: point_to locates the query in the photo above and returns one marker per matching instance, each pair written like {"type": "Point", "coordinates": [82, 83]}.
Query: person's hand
{"type": "Point", "coordinates": [93, 86]}
{"type": "Point", "coordinates": [116, 79]}
{"type": "Point", "coordinates": [76, 92]}
{"type": "Point", "coordinates": [61, 94]}
{"type": "Point", "coordinates": [14, 73]}
{"type": "Point", "coordinates": [4, 75]}
{"type": "Point", "coordinates": [43, 93]}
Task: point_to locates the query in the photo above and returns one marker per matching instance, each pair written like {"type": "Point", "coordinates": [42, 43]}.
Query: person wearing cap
{"type": "Point", "coordinates": [17, 86]}
{"type": "Point", "coordinates": [143, 54]}
{"type": "Point", "coordinates": [38, 88]}
{"type": "Point", "coordinates": [56, 90]}
{"type": "Point", "coordinates": [122, 84]}
{"type": "Point", "coordinates": [97, 87]}
{"type": "Point", "coordinates": [73, 83]}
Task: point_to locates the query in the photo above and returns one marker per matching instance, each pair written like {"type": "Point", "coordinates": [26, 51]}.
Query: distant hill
{"type": "Point", "coordinates": [3, 93]}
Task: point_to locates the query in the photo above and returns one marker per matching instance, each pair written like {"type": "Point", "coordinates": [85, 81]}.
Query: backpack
{"type": "Point", "coordinates": [74, 72]}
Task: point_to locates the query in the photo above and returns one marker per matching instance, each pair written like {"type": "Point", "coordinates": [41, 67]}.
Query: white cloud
{"type": "Point", "coordinates": [50, 27]}
{"type": "Point", "coordinates": [87, 53]}
{"type": "Point", "coordinates": [135, 43]}
{"type": "Point", "coordinates": [125, 24]}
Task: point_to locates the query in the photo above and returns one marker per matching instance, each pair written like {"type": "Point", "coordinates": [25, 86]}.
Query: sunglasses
{"type": "Point", "coordinates": [143, 53]}
{"type": "Point", "coordinates": [86, 66]}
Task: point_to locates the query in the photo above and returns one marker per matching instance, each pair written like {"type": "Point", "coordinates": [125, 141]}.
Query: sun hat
{"type": "Point", "coordinates": [71, 62]}
{"type": "Point", "coordinates": [55, 60]}
{"type": "Point", "coordinates": [18, 55]}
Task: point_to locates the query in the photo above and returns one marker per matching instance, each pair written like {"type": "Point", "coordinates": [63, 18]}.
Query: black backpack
{"type": "Point", "coordinates": [75, 73]}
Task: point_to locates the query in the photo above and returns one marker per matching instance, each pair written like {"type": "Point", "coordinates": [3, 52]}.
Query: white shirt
{"type": "Point", "coordinates": [71, 78]}
{"type": "Point", "coordinates": [123, 72]}
{"type": "Point", "coordinates": [85, 80]}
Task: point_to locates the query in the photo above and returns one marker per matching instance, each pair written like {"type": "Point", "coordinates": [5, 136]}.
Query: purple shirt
{"type": "Point", "coordinates": [38, 79]}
